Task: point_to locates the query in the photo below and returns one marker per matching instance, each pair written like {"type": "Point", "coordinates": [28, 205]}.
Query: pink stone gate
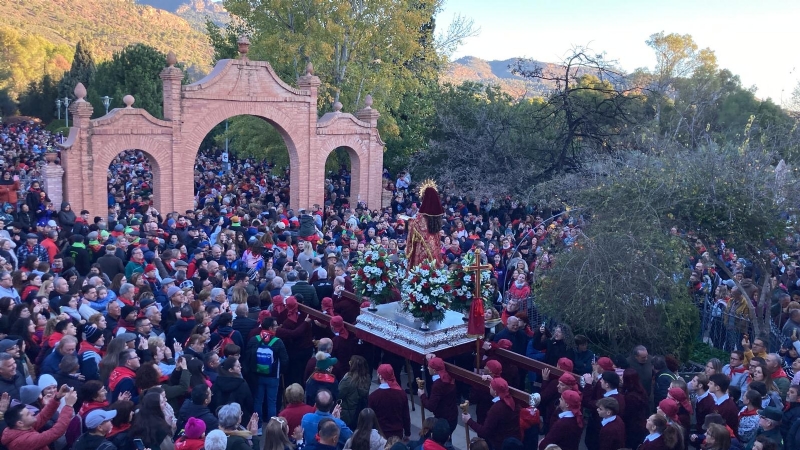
{"type": "Point", "coordinates": [234, 87]}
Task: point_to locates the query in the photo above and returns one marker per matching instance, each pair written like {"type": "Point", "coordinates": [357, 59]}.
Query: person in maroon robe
{"type": "Point", "coordinates": [424, 242]}
{"type": "Point", "coordinates": [481, 398]}
{"type": "Point", "coordinates": [723, 405]}
{"type": "Point", "coordinates": [502, 420]}
{"type": "Point", "coordinates": [662, 435]}
{"type": "Point", "coordinates": [612, 428]}
{"type": "Point", "coordinates": [295, 332]}
{"type": "Point", "coordinates": [345, 345]}
{"type": "Point", "coordinates": [684, 409]}
{"type": "Point", "coordinates": [443, 401]}
{"type": "Point", "coordinates": [550, 393]}
{"type": "Point", "coordinates": [390, 404]}
{"type": "Point", "coordinates": [567, 430]}
{"type": "Point", "coordinates": [705, 401]}
{"type": "Point", "coordinates": [344, 306]}
{"type": "Point", "coordinates": [566, 382]}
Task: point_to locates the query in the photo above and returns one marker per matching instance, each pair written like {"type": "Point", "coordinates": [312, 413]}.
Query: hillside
{"type": "Point", "coordinates": [194, 11]}
{"type": "Point", "coordinates": [498, 72]}
{"type": "Point", "coordinates": [109, 25]}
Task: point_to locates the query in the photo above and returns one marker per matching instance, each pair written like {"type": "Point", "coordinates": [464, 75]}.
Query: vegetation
{"type": "Point", "coordinates": [38, 37]}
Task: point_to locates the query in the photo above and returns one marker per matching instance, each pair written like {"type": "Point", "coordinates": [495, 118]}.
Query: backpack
{"type": "Point", "coordinates": [265, 357]}
{"type": "Point", "coordinates": [224, 343]}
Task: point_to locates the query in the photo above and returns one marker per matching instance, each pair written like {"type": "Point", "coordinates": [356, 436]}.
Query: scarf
{"type": "Point", "coordinates": [679, 396]}
{"type": "Point", "coordinates": [500, 387]}
{"type": "Point", "coordinates": [738, 370]}
{"type": "Point", "coordinates": [573, 400]}
{"type": "Point", "coordinates": [88, 407]}
{"type": "Point", "coordinates": [87, 346]}
{"type": "Point", "coordinates": [54, 338]}
{"type": "Point", "coordinates": [266, 335]}
{"type": "Point", "coordinates": [746, 412]}
{"type": "Point", "coordinates": [386, 372]}
{"type": "Point", "coordinates": [437, 364]}
{"type": "Point", "coordinates": [337, 326]}
{"type": "Point", "coordinates": [291, 309]}
{"type": "Point", "coordinates": [327, 306]}
{"type": "Point", "coordinates": [119, 374]}
{"type": "Point", "coordinates": [278, 306]}
{"type": "Point", "coordinates": [670, 409]}
{"type": "Point", "coordinates": [116, 430]}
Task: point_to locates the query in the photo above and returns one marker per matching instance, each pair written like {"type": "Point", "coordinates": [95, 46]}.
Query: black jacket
{"type": "Point", "coordinates": [12, 386]}
{"type": "Point", "coordinates": [324, 288]}
{"type": "Point", "coordinates": [111, 265]}
{"type": "Point", "coordinates": [82, 258]}
{"type": "Point", "coordinates": [227, 390]}
{"type": "Point", "coordinates": [278, 349]}
{"type": "Point", "coordinates": [244, 325]}
{"type": "Point", "coordinates": [202, 412]}
{"type": "Point", "coordinates": [308, 292]}
{"type": "Point", "coordinates": [89, 441]}
{"type": "Point", "coordinates": [180, 331]}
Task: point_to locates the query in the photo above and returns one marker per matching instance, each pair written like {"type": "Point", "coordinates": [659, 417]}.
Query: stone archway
{"type": "Point", "coordinates": [234, 87]}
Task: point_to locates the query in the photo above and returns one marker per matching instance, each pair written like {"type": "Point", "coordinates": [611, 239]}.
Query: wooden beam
{"type": "Point", "coordinates": [475, 380]}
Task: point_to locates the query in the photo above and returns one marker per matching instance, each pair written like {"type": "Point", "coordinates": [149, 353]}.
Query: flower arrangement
{"type": "Point", "coordinates": [425, 292]}
{"type": "Point", "coordinates": [462, 283]}
{"type": "Point", "coordinates": [374, 275]}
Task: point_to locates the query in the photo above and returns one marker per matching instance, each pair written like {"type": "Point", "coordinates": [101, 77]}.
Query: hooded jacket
{"type": "Point", "coordinates": [232, 389]}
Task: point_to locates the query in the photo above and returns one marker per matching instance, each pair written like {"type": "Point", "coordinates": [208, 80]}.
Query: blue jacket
{"type": "Point", "coordinates": [311, 421]}
{"type": "Point", "coordinates": [50, 364]}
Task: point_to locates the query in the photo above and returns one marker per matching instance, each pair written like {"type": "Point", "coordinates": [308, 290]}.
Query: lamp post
{"type": "Point", "coordinates": [66, 110]}
{"type": "Point", "coordinates": [58, 107]}
{"type": "Point", "coordinates": [107, 102]}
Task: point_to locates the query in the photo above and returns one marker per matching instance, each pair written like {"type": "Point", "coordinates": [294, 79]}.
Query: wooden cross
{"type": "Point", "coordinates": [477, 268]}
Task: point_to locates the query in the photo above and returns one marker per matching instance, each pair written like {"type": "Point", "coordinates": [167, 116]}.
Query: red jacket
{"type": "Point", "coordinates": [294, 412]}
{"type": "Point", "coordinates": [189, 444]}
{"type": "Point", "coordinates": [32, 439]}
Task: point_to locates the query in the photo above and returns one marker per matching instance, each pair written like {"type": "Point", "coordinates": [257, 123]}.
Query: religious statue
{"type": "Point", "coordinates": [424, 242]}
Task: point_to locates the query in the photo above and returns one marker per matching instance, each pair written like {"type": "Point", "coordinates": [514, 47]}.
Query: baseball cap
{"type": "Point", "coordinates": [96, 418]}
{"type": "Point", "coordinates": [6, 344]}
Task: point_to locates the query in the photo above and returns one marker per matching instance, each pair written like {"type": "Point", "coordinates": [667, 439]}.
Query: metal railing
{"type": "Point", "coordinates": [724, 330]}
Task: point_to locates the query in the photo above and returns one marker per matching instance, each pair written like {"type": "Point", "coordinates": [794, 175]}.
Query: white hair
{"type": "Point", "coordinates": [216, 440]}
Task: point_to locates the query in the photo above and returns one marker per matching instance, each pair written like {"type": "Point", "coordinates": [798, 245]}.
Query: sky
{"type": "Point", "coordinates": [753, 39]}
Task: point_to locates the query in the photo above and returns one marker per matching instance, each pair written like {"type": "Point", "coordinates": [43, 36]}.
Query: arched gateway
{"type": "Point", "coordinates": [234, 87]}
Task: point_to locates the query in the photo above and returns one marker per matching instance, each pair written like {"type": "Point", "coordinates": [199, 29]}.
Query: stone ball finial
{"type": "Point", "coordinates": [171, 59]}
{"type": "Point", "coordinates": [80, 92]}
{"type": "Point", "coordinates": [309, 68]}
{"type": "Point", "coordinates": [244, 45]}
{"type": "Point", "coordinates": [337, 106]}
{"type": "Point", "coordinates": [368, 101]}
{"type": "Point", "coordinates": [128, 100]}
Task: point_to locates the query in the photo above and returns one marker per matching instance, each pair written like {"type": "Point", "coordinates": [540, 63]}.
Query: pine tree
{"type": "Point", "coordinates": [82, 71]}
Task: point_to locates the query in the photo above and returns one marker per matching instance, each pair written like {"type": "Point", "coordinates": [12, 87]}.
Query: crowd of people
{"type": "Point", "coordinates": [160, 330]}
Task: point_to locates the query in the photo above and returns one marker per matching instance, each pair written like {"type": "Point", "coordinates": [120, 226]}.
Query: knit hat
{"type": "Point", "coordinates": [437, 364]}
{"type": "Point", "coordinates": [500, 387]}
{"type": "Point", "coordinates": [605, 363]}
{"type": "Point", "coordinates": [127, 309]}
{"type": "Point", "coordinates": [325, 361]}
{"type": "Point", "coordinates": [573, 400]}
{"type": "Point", "coordinates": [386, 372]}
{"type": "Point", "coordinates": [46, 380]}
{"type": "Point", "coordinates": [92, 333]}
{"type": "Point", "coordinates": [149, 267]}
{"type": "Point", "coordinates": [679, 396]}
{"type": "Point", "coordinates": [565, 364]}
{"type": "Point", "coordinates": [172, 291]}
{"type": "Point", "coordinates": [670, 409]}
{"type": "Point", "coordinates": [194, 428]}
{"type": "Point", "coordinates": [28, 394]}
{"type": "Point", "coordinates": [494, 367]}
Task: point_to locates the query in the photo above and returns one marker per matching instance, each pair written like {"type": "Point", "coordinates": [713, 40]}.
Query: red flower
{"type": "Point", "coordinates": [380, 264]}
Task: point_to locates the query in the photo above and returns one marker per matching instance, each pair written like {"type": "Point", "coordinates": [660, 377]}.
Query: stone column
{"type": "Point", "coordinates": [76, 156]}
{"type": "Point", "coordinates": [53, 183]}
{"type": "Point", "coordinates": [372, 189]}
{"type": "Point", "coordinates": [309, 191]}
{"type": "Point", "coordinates": [171, 78]}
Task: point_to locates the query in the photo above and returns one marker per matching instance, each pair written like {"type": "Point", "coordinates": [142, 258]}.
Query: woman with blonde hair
{"type": "Point", "coordinates": [296, 406]}
{"type": "Point", "coordinates": [239, 296]}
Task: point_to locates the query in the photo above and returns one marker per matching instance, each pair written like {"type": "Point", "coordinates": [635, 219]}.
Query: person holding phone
{"type": "Point", "coordinates": [23, 426]}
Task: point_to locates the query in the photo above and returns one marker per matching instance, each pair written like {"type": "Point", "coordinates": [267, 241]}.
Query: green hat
{"type": "Point", "coordinates": [326, 363]}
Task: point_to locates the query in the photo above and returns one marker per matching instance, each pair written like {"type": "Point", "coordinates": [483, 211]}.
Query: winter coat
{"type": "Point", "coordinates": [34, 440]}
{"type": "Point", "coordinates": [376, 441]}
{"type": "Point", "coordinates": [89, 441]}
{"type": "Point", "coordinates": [202, 412]}
{"type": "Point", "coordinates": [354, 399]}
{"type": "Point", "coordinates": [232, 389]}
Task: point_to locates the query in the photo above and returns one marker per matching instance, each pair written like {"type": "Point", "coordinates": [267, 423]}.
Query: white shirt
{"type": "Point", "coordinates": [652, 437]}
{"type": "Point", "coordinates": [608, 420]}
{"type": "Point", "coordinates": [383, 386]}
{"type": "Point", "coordinates": [718, 401]}
{"type": "Point", "coordinates": [566, 414]}
{"type": "Point", "coordinates": [496, 399]}
{"type": "Point", "coordinates": [610, 393]}
{"type": "Point", "coordinates": [435, 377]}
{"type": "Point", "coordinates": [700, 397]}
